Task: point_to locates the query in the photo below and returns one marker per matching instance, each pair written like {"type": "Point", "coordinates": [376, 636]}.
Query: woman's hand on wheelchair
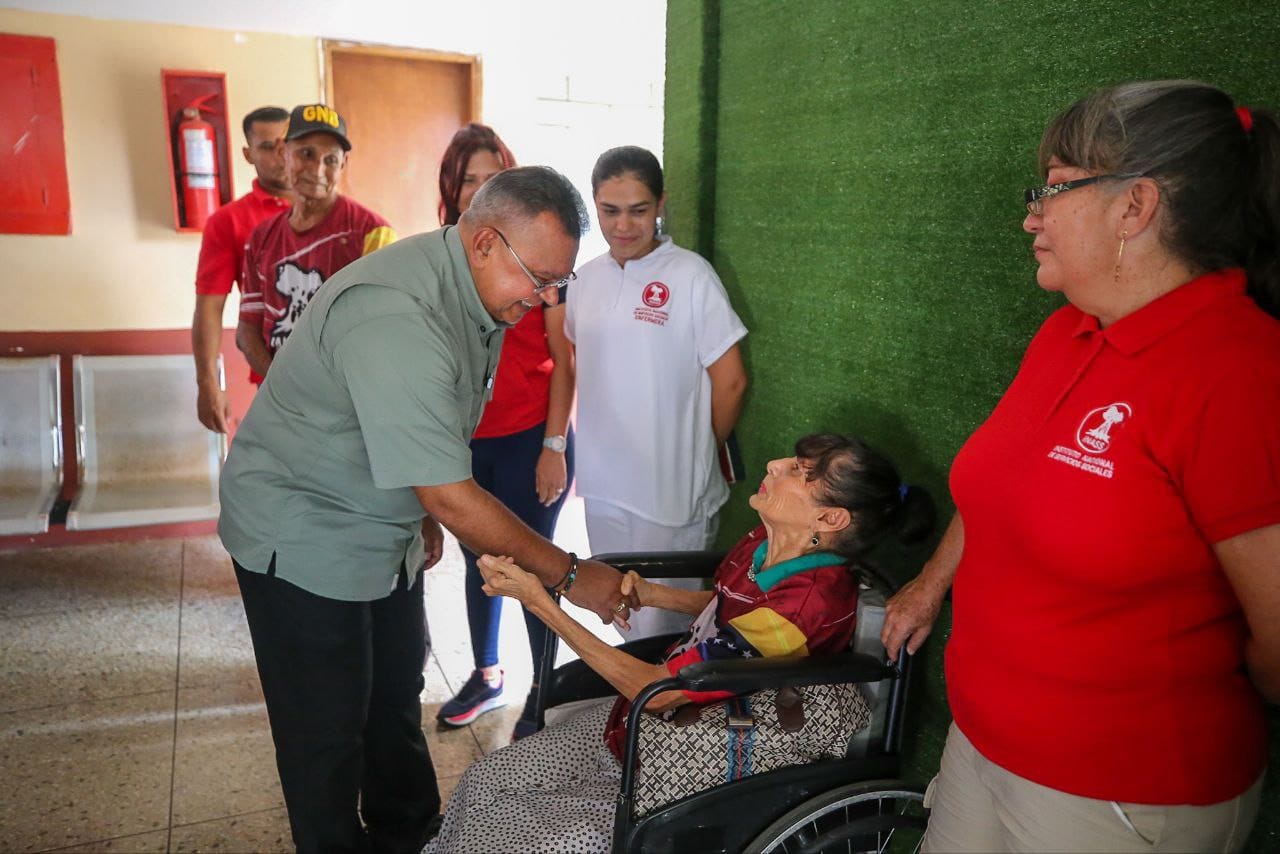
{"type": "Point", "coordinates": [909, 616]}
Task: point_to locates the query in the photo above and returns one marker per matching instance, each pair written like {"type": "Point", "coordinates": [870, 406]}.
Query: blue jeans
{"type": "Point", "coordinates": [506, 466]}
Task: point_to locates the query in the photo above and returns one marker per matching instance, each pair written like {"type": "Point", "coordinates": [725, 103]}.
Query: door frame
{"type": "Point", "coordinates": [329, 47]}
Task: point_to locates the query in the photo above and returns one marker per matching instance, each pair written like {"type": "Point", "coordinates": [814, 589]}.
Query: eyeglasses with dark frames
{"type": "Point", "coordinates": [1035, 196]}
{"type": "Point", "coordinates": [538, 285]}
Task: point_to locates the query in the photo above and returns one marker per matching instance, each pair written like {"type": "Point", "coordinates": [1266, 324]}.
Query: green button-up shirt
{"type": "Point", "coordinates": [377, 390]}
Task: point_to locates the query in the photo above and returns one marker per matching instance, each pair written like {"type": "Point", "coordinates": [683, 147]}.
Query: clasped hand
{"type": "Point", "coordinates": [637, 589]}
{"type": "Point", "coordinates": [504, 577]}
{"type": "Point", "coordinates": [597, 587]}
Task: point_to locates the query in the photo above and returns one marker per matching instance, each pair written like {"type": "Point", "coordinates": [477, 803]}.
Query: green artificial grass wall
{"type": "Point", "coordinates": [854, 170]}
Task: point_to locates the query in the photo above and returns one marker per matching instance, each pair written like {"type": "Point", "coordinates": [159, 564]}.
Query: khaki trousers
{"type": "Point", "coordinates": [979, 806]}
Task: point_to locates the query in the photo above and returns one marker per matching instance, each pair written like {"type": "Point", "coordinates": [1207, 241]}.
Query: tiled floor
{"type": "Point", "coordinates": [131, 718]}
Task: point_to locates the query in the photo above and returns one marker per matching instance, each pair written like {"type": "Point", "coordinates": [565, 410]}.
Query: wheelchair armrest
{"type": "Point", "coordinates": [576, 681]}
{"type": "Point", "coordinates": [664, 564]}
{"type": "Point", "coordinates": [742, 676]}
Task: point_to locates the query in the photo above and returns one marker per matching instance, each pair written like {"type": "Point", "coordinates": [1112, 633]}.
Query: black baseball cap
{"type": "Point", "coordinates": [317, 118]}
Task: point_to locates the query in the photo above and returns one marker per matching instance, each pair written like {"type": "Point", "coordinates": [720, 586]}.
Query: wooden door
{"type": "Point", "coordinates": [402, 107]}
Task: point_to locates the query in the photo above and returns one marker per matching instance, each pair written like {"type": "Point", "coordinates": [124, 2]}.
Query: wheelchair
{"type": "Point", "coordinates": [854, 803]}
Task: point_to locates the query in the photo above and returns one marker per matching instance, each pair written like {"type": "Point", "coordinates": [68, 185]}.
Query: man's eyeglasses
{"type": "Point", "coordinates": [538, 284]}
{"type": "Point", "coordinates": [1035, 196]}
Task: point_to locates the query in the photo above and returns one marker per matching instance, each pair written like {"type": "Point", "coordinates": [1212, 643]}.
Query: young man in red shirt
{"type": "Point", "coordinates": [291, 255]}
{"type": "Point", "coordinates": [222, 254]}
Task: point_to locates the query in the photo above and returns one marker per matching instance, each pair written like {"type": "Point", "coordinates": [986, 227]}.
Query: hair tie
{"type": "Point", "coordinates": [902, 491]}
{"type": "Point", "coordinates": [1246, 118]}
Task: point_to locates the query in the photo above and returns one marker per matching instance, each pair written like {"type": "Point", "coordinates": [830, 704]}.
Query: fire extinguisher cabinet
{"type": "Point", "coordinates": [198, 141]}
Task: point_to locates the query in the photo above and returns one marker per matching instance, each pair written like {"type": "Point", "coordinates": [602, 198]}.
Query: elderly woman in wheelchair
{"type": "Point", "coordinates": [784, 590]}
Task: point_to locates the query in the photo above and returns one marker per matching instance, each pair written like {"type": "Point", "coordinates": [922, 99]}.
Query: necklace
{"type": "Point", "coordinates": [767, 578]}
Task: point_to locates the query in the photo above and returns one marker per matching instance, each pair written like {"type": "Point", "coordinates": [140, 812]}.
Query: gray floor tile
{"type": "Point", "coordinates": [113, 650]}
{"type": "Point", "coordinates": [73, 578]}
{"type": "Point", "coordinates": [216, 648]}
{"type": "Point", "coordinates": [86, 771]}
{"type": "Point", "coordinates": [452, 750]}
{"type": "Point", "coordinates": [224, 763]}
{"type": "Point", "coordinates": [155, 842]}
{"type": "Point", "coordinates": [265, 832]}
{"type": "Point", "coordinates": [207, 568]}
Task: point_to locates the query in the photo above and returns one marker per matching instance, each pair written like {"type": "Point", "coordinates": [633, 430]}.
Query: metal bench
{"type": "Point", "coordinates": [30, 443]}
{"type": "Point", "coordinates": [143, 457]}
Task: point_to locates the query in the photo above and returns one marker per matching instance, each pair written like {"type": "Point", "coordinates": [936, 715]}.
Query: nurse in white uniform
{"type": "Point", "coordinates": [660, 379]}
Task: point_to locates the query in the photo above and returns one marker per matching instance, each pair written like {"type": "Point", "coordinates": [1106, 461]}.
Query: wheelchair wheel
{"type": "Point", "coordinates": [877, 815]}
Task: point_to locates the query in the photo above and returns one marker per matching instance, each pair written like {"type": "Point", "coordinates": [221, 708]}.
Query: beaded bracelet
{"type": "Point", "coordinates": [569, 577]}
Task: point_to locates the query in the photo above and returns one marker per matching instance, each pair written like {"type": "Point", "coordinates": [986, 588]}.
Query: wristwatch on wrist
{"type": "Point", "coordinates": [555, 443]}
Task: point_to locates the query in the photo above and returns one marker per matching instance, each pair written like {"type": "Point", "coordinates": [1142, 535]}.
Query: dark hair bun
{"type": "Point", "coordinates": [865, 482]}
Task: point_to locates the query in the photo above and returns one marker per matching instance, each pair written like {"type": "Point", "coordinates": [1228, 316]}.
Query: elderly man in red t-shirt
{"type": "Point", "coordinates": [222, 254]}
{"type": "Point", "coordinates": [291, 255]}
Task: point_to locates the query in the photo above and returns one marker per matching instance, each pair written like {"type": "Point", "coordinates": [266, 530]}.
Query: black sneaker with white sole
{"type": "Point", "coordinates": [475, 698]}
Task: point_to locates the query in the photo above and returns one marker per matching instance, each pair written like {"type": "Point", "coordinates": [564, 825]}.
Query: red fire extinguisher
{"type": "Point", "coordinates": [197, 164]}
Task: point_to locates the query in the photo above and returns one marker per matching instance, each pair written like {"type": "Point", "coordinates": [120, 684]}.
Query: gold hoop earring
{"type": "Point", "coordinates": [1120, 254]}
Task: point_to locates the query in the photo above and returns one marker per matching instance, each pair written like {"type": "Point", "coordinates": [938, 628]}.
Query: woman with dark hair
{"type": "Point", "coordinates": [784, 590]}
{"type": "Point", "coordinates": [660, 377]}
{"type": "Point", "coordinates": [1116, 548]}
{"type": "Point", "coordinates": [522, 451]}
{"type": "Point", "coordinates": [475, 154]}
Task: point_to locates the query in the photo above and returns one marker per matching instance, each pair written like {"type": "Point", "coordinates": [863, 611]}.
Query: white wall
{"type": "Point", "coordinates": [563, 81]}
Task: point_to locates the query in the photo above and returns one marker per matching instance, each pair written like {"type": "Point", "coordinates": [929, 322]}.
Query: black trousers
{"type": "Point", "coordinates": [342, 682]}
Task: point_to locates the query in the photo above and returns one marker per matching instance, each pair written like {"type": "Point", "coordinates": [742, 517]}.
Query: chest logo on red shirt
{"type": "Point", "coordinates": [1094, 434]}
{"type": "Point", "coordinates": [652, 299]}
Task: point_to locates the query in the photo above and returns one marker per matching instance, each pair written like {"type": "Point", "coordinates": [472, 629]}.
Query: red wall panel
{"type": "Point", "coordinates": [33, 164]}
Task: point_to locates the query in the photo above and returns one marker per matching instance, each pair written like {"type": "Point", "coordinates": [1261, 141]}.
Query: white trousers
{"type": "Point", "coordinates": [612, 529]}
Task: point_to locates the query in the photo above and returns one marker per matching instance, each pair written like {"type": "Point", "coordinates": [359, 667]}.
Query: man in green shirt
{"type": "Point", "coordinates": [353, 455]}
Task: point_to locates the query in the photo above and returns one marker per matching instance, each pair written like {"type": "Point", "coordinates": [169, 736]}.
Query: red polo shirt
{"type": "Point", "coordinates": [522, 386]}
{"type": "Point", "coordinates": [225, 235]}
{"type": "Point", "coordinates": [284, 268]}
{"type": "Point", "coordinates": [1097, 646]}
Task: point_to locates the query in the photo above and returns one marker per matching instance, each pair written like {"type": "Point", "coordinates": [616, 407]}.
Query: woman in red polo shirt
{"type": "Point", "coordinates": [1116, 548]}
{"type": "Point", "coordinates": [522, 451]}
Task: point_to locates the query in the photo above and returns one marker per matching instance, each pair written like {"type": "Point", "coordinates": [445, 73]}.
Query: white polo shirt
{"type": "Point", "coordinates": [645, 335]}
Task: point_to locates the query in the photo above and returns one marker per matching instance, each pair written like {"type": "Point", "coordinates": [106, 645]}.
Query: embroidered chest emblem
{"type": "Point", "coordinates": [652, 301]}
{"type": "Point", "coordinates": [656, 294]}
{"type": "Point", "coordinates": [1093, 437]}
{"type": "Point", "coordinates": [1094, 433]}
